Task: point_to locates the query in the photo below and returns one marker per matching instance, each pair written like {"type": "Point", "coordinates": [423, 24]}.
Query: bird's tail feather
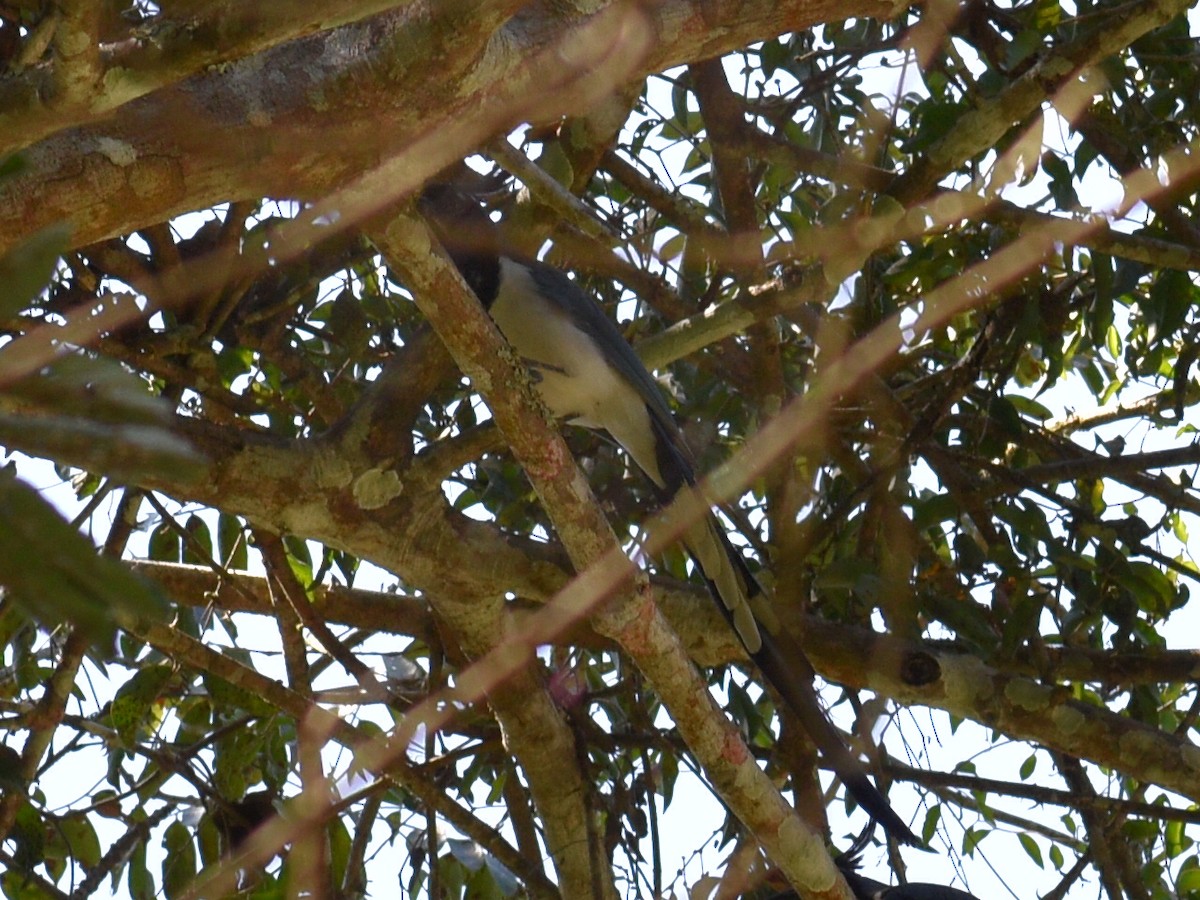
{"type": "Point", "coordinates": [790, 672]}
{"type": "Point", "coordinates": [732, 585]}
{"type": "Point", "coordinates": [730, 582]}
{"type": "Point", "coordinates": [791, 676]}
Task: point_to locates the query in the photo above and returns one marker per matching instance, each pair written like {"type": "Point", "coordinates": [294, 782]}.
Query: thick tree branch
{"type": "Point", "coordinates": [834, 647]}
{"type": "Point", "coordinates": [536, 733]}
{"type": "Point", "coordinates": [88, 79]}
{"type": "Point", "coordinates": [1024, 707]}
{"type": "Point", "coordinates": [1010, 700]}
{"type": "Point", "coordinates": [354, 96]}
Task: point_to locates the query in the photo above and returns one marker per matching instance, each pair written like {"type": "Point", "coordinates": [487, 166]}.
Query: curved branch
{"type": "Point", "coordinates": [709, 643]}
{"type": "Point", "coordinates": [537, 734]}
{"type": "Point", "coordinates": [629, 617]}
{"type": "Point", "coordinates": [359, 94]}
{"type": "Point", "coordinates": [1027, 709]}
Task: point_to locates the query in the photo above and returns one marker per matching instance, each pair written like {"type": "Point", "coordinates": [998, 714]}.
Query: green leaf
{"type": "Point", "coordinates": [231, 543]}
{"type": "Point", "coordinates": [17, 887]}
{"type": "Point", "coordinates": [1023, 44]}
{"type": "Point", "coordinates": [489, 877]}
{"type": "Point", "coordinates": [1140, 830]}
{"type": "Point", "coordinates": [1128, 273]}
{"type": "Point", "coordinates": [300, 559]}
{"type": "Point", "coordinates": [1188, 883]}
{"type": "Point", "coordinates": [133, 705]}
{"type": "Point", "coordinates": [1028, 407]}
{"type": "Point", "coordinates": [1031, 848]}
{"type": "Point", "coordinates": [668, 769]}
{"type": "Point", "coordinates": [1152, 590]}
{"type": "Point", "coordinates": [12, 771]}
{"type": "Point", "coordinates": [209, 839]}
{"type": "Point", "coordinates": [57, 575]}
{"type": "Point", "coordinates": [348, 323]}
{"type": "Point", "coordinates": [29, 835]}
{"type": "Point", "coordinates": [1112, 342]}
{"type": "Point", "coordinates": [198, 548]}
{"type": "Point", "coordinates": [340, 845]}
{"type": "Point", "coordinates": [1047, 15]}
{"type": "Point", "coordinates": [139, 880]}
{"type": "Point", "coordinates": [165, 544]}
{"type": "Point", "coordinates": [179, 862]}
{"type": "Point", "coordinates": [773, 54]}
{"type": "Point", "coordinates": [1056, 857]}
{"type": "Point", "coordinates": [934, 509]}
{"type": "Point", "coordinates": [27, 268]}
{"type": "Point", "coordinates": [80, 838]}
{"type": "Point", "coordinates": [673, 248]}
{"type": "Point", "coordinates": [936, 119]}
{"type": "Point", "coordinates": [228, 696]}
{"type": "Point", "coordinates": [969, 554]}
{"type": "Point", "coordinates": [929, 828]}
{"type": "Point", "coordinates": [1170, 299]}
{"type": "Point", "coordinates": [1062, 187]}
{"type": "Point", "coordinates": [496, 789]}
{"type": "Point", "coordinates": [1175, 838]}
{"type": "Point", "coordinates": [971, 840]}
{"type": "Point", "coordinates": [1028, 767]}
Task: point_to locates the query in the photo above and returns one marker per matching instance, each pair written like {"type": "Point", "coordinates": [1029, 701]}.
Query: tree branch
{"type": "Point", "coordinates": [630, 619]}
{"type": "Point", "coordinates": [89, 79]}
{"type": "Point", "coordinates": [982, 128]}
{"type": "Point", "coordinates": [336, 116]}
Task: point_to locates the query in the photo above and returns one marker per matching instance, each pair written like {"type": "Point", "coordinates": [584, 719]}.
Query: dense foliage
{"type": "Point", "coordinates": [921, 291]}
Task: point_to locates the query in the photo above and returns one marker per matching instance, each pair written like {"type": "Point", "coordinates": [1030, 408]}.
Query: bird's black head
{"type": "Point", "coordinates": [467, 233]}
{"type": "Point", "coordinates": [460, 222]}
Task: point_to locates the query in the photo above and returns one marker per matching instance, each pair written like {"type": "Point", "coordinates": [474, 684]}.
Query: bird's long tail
{"type": "Point", "coordinates": [791, 676]}
{"type": "Point", "coordinates": [778, 656]}
{"type": "Point", "coordinates": [786, 667]}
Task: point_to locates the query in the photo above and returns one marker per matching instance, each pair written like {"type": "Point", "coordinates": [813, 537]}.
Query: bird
{"type": "Point", "coordinates": [588, 374]}
{"type": "Point", "coordinates": [864, 888]}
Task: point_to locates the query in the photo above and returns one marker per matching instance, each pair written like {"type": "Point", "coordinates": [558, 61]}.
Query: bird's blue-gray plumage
{"type": "Point", "coordinates": [587, 373]}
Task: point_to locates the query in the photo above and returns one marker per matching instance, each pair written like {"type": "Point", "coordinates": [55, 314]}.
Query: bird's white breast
{"type": "Point", "coordinates": [573, 376]}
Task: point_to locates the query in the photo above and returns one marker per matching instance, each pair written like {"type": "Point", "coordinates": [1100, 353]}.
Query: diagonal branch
{"type": "Point", "coordinates": [981, 128]}
{"type": "Point", "coordinates": [630, 618]}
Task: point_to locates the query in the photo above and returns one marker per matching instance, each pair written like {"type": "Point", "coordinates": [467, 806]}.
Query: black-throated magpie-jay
{"type": "Point", "coordinates": [588, 374]}
{"type": "Point", "coordinates": [869, 889]}
{"type": "Point", "coordinates": [865, 888]}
